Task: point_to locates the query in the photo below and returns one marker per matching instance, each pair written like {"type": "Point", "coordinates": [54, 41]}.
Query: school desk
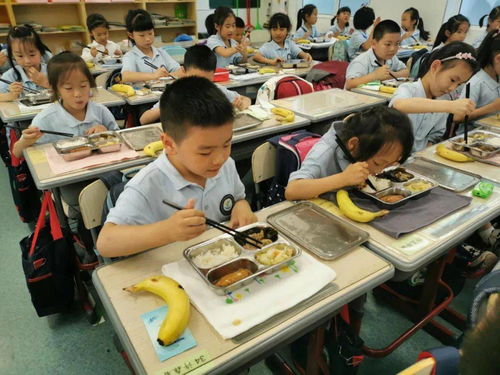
{"type": "Point", "coordinates": [486, 171]}
{"type": "Point", "coordinates": [328, 104]}
{"type": "Point", "coordinates": [377, 94]}
{"type": "Point", "coordinates": [357, 272]}
{"type": "Point", "coordinates": [490, 122]}
{"type": "Point", "coordinates": [9, 111]}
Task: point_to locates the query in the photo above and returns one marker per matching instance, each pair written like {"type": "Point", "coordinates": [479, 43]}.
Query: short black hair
{"type": "Point", "coordinates": [386, 27]}
{"type": "Point", "coordinates": [280, 20]}
{"type": "Point", "coordinates": [200, 57]}
{"type": "Point", "coordinates": [193, 101]}
{"type": "Point", "coordinates": [363, 18]}
{"type": "Point", "coordinates": [61, 65]}
{"type": "Point", "coordinates": [376, 127]}
{"type": "Point", "coordinates": [221, 13]}
{"type": "Point", "coordinates": [240, 24]}
{"type": "Point", "coordinates": [138, 20]}
{"type": "Point", "coordinates": [448, 52]}
{"type": "Point", "coordinates": [489, 48]}
{"type": "Point", "coordinates": [95, 20]}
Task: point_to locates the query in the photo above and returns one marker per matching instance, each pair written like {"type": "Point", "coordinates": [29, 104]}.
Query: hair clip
{"type": "Point", "coordinates": [461, 56]}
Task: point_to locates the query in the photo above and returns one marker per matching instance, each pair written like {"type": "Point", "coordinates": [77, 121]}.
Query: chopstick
{"type": "Point", "coordinates": [69, 135]}
{"type": "Point", "coordinates": [392, 75]}
{"type": "Point", "coordinates": [90, 47]}
{"type": "Point", "coordinates": [33, 91]}
{"type": "Point", "coordinates": [351, 158]}
{"type": "Point", "coordinates": [466, 120]}
{"type": "Point", "coordinates": [150, 64]}
{"type": "Point", "coordinates": [246, 238]}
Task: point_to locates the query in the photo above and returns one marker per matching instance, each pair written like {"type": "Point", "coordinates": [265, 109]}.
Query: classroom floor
{"type": "Point", "coordinates": [68, 344]}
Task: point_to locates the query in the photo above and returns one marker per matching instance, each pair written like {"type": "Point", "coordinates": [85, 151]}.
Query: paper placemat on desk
{"type": "Point", "coordinates": [253, 304]}
{"type": "Point", "coordinates": [60, 166]}
{"type": "Point", "coordinates": [33, 108]}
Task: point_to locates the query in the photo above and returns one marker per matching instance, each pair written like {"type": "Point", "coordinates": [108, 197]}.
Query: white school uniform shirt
{"type": "Point", "coordinates": [413, 39]}
{"type": "Point", "coordinates": [302, 30]}
{"type": "Point", "coordinates": [215, 41]}
{"type": "Point", "coordinates": [358, 37]}
{"type": "Point", "coordinates": [479, 39]}
{"type": "Point", "coordinates": [325, 158]}
{"type": "Point", "coordinates": [111, 47]}
{"type": "Point", "coordinates": [483, 89]}
{"type": "Point", "coordinates": [56, 118]}
{"type": "Point", "coordinates": [133, 61]}
{"type": "Point", "coordinates": [366, 63]}
{"type": "Point", "coordinates": [10, 75]}
{"type": "Point", "coordinates": [272, 50]}
{"type": "Point", "coordinates": [427, 127]}
{"type": "Point", "coordinates": [336, 29]}
{"type": "Point", "coordinates": [140, 202]}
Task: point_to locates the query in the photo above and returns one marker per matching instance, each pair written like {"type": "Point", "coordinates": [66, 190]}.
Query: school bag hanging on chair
{"type": "Point", "coordinates": [281, 87]}
{"type": "Point", "coordinates": [47, 262]}
{"type": "Point", "coordinates": [328, 75]}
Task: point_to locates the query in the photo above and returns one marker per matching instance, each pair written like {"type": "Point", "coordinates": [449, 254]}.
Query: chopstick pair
{"type": "Point", "coordinates": [466, 120]}
{"type": "Point", "coordinates": [392, 75]}
{"type": "Point", "coordinates": [42, 131]}
{"type": "Point", "coordinates": [90, 47]}
{"type": "Point", "coordinates": [244, 237]}
{"type": "Point", "coordinates": [25, 88]}
{"type": "Point", "coordinates": [151, 65]}
{"type": "Point", "coordinates": [351, 158]}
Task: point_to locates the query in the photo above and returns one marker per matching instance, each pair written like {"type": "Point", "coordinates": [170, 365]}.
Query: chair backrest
{"type": "Point", "coordinates": [263, 162]}
{"type": "Point", "coordinates": [423, 367]}
{"type": "Point", "coordinates": [259, 36]}
{"type": "Point", "coordinates": [91, 201]}
{"type": "Point", "coordinates": [101, 79]}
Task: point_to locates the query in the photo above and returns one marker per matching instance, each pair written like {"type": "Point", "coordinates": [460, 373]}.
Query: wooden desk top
{"type": "Point", "coordinates": [357, 271]}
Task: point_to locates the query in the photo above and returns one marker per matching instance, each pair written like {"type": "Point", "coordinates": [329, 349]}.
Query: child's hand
{"type": "Point", "coordinates": [462, 107]}
{"type": "Point", "coordinates": [242, 215]}
{"type": "Point", "coordinates": [96, 129]}
{"type": "Point", "coordinates": [382, 73]}
{"type": "Point", "coordinates": [406, 35]}
{"type": "Point", "coordinates": [308, 57]}
{"type": "Point", "coordinates": [37, 77]}
{"type": "Point", "coordinates": [31, 135]}
{"type": "Point", "coordinates": [188, 223]}
{"type": "Point", "coordinates": [356, 174]}
{"type": "Point", "coordinates": [161, 72]}
{"type": "Point", "coordinates": [118, 52]}
{"type": "Point", "coordinates": [241, 103]}
{"type": "Point", "coordinates": [307, 35]}
{"type": "Point", "coordinates": [15, 88]}
{"type": "Point", "coordinates": [94, 51]}
{"type": "Point", "coordinates": [376, 22]}
{"type": "Point", "coordinates": [275, 61]}
{"type": "Point", "coordinates": [3, 59]}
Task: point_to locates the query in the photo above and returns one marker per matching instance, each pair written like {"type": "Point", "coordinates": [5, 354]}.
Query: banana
{"type": "Point", "coordinates": [387, 89]}
{"type": "Point", "coordinates": [446, 153]}
{"type": "Point", "coordinates": [353, 212]}
{"type": "Point", "coordinates": [125, 89]}
{"type": "Point", "coordinates": [266, 70]}
{"type": "Point", "coordinates": [153, 148]}
{"type": "Point", "coordinates": [284, 115]}
{"type": "Point", "coordinates": [303, 41]}
{"type": "Point", "coordinates": [90, 64]}
{"type": "Point", "coordinates": [177, 300]}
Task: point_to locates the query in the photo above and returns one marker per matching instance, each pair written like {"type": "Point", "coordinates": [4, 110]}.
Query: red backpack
{"type": "Point", "coordinates": [328, 75]}
{"type": "Point", "coordinates": [291, 86]}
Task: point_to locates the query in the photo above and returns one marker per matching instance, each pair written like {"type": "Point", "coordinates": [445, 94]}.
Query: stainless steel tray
{"type": "Point", "coordinates": [295, 64]}
{"type": "Point", "coordinates": [244, 121]}
{"type": "Point", "coordinates": [317, 230]}
{"type": "Point", "coordinates": [106, 142]}
{"type": "Point", "coordinates": [246, 259]}
{"type": "Point", "coordinates": [477, 137]}
{"type": "Point", "coordinates": [446, 176]}
{"type": "Point", "coordinates": [140, 137]}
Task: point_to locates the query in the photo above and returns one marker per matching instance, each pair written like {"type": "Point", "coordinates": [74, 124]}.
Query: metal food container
{"type": "Point", "coordinates": [401, 188]}
{"type": "Point", "coordinates": [244, 121]}
{"type": "Point", "coordinates": [76, 152]}
{"type": "Point", "coordinates": [106, 142]}
{"type": "Point", "coordinates": [68, 144]}
{"type": "Point", "coordinates": [140, 137]}
{"type": "Point", "coordinates": [242, 260]}
{"type": "Point", "coordinates": [295, 64]}
{"type": "Point", "coordinates": [483, 150]}
{"type": "Point", "coordinates": [317, 230]}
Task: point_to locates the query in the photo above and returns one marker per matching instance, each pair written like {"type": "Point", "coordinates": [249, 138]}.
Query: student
{"type": "Point", "coordinates": [281, 47]}
{"type": "Point", "coordinates": [239, 31]}
{"type": "Point", "coordinates": [360, 41]}
{"type": "Point", "coordinates": [493, 24]}
{"type": "Point", "coordinates": [484, 85]}
{"type": "Point", "coordinates": [199, 61]}
{"type": "Point", "coordinates": [377, 138]}
{"type": "Point", "coordinates": [99, 31]}
{"type": "Point", "coordinates": [341, 27]}
{"type": "Point", "coordinates": [379, 61]}
{"type": "Point", "coordinates": [26, 49]}
{"type": "Point", "coordinates": [141, 33]}
{"type": "Point", "coordinates": [453, 30]}
{"type": "Point", "coordinates": [306, 21]}
{"type": "Point", "coordinates": [195, 172]}
{"type": "Point", "coordinates": [74, 112]}
{"type": "Point", "coordinates": [445, 69]}
{"type": "Point", "coordinates": [413, 28]}
{"type": "Point", "coordinates": [228, 50]}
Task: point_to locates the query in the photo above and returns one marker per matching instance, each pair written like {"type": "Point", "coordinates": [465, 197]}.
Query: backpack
{"type": "Point", "coordinates": [328, 75]}
{"type": "Point", "coordinates": [114, 77]}
{"type": "Point", "coordinates": [418, 58]}
{"type": "Point", "coordinates": [338, 52]}
{"type": "Point", "coordinates": [291, 150]}
{"type": "Point", "coordinates": [291, 86]}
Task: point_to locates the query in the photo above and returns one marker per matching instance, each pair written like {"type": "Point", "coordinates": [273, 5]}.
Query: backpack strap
{"type": "Point", "coordinates": [446, 358]}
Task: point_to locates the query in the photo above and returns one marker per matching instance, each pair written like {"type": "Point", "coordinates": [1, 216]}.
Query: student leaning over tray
{"type": "Point", "coordinates": [195, 172]}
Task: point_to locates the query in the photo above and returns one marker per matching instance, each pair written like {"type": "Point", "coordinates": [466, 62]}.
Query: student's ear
{"type": "Point", "coordinates": [435, 65]}
{"type": "Point", "coordinates": [169, 145]}
{"type": "Point", "coordinates": [447, 34]}
{"type": "Point", "coordinates": [130, 36]}
{"type": "Point", "coordinates": [352, 145]}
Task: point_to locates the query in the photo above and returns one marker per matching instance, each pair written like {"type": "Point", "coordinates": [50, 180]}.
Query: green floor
{"type": "Point", "coordinates": [69, 345]}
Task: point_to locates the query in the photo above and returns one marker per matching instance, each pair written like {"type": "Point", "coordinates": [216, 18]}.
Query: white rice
{"type": "Point", "coordinates": [215, 256]}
